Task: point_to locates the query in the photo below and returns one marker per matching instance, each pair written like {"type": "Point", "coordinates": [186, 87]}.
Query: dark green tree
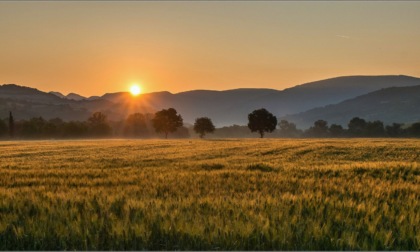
{"type": "Point", "coordinates": [98, 125]}
{"type": "Point", "coordinates": [135, 125]}
{"type": "Point", "coordinates": [375, 129]}
{"type": "Point", "coordinates": [414, 129]}
{"type": "Point", "coordinates": [33, 128]}
{"type": "Point", "coordinates": [394, 130]}
{"type": "Point", "coordinates": [3, 128]}
{"type": "Point", "coordinates": [11, 125]}
{"type": "Point", "coordinates": [320, 129]}
{"type": "Point", "coordinates": [357, 127]}
{"type": "Point", "coordinates": [261, 121]}
{"type": "Point", "coordinates": [54, 127]}
{"type": "Point", "coordinates": [288, 129]}
{"type": "Point", "coordinates": [75, 129]}
{"type": "Point", "coordinates": [167, 121]}
{"type": "Point", "coordinates": [336, 130]}
{"type": "Point", "coordinates": [203, 125]}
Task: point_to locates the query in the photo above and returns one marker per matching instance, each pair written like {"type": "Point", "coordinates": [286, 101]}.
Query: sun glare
{"type": "Point", "coordinates": [135, 90]}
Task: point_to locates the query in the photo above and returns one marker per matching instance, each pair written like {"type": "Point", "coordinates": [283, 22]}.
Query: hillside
{"type": "Point", "coordinates": [321, 93]}
{"type": "Point", "coordinates": [397, 104]}
{"type": "Point", "coordinates": [224, 107]}
{"type": "Point", "coordinates": [232, 106]}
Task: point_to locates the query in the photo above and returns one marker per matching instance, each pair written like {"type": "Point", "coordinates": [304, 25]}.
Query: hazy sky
{"type": "Point", "coordinates": [96, 47]}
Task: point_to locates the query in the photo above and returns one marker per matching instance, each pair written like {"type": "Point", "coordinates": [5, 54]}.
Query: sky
{"type": "Point", "coordinates": [97, 47]}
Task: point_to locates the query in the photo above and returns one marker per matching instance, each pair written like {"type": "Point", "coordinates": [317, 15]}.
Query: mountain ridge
{"type": "Point", "coordinates": [389, 105]}
{"type": "Point", "coordinates": [226, 107]}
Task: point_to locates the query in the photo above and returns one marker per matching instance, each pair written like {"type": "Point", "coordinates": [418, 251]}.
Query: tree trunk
{"type": "Point", "coordinates": [262, 134]}
{"type": "Point", "coordinates": [166, 135]}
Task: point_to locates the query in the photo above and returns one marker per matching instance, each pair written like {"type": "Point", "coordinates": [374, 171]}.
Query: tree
{"type": "Point", "coordinates": [135, 125]}
{"type": "Point", "coordinates": [74, 129]}
{"type": "Point", "coordinates": [98, 124]}
{"type": "Point", "coordinates": [320, 129]}
{"type": "Point", "coordinates": [288, 129]}
{"type": "Point", "coordinates": [375, 129]}
{"type": "Point", "coordinates": [33, 128]}
{"type": "Point", "coordinates": [414, 129]}
{"type": "Point", "coordinates": [394, 130]}
{"type": "Point", "coordinates": [261, 121]}
{"type": "Point", "coordinates": [336, 130]}
{"type": "Point", "coordinates": [357, 126]}
{"type": "Point", "coordinates": [11, 125]}
{"type": "Point", "coordinates": [3, 128]}
{"type": "Point", "coordinates": [54, 127]}
{"type": "Point", "coordinates": [167, 121]}
{"type": "Point", "coordinates": [203, 125]}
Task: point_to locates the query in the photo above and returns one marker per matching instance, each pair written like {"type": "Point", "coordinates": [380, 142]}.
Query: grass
{"type": "Point", "coordinates": [264, 194]}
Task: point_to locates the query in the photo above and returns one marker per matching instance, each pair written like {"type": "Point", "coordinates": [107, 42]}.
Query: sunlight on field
{"type": "Point", "coordinates": [358, 194]}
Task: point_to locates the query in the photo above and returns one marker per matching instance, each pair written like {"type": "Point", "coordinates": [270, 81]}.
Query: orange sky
{"type": "Point", "coordinates": [96, 47]}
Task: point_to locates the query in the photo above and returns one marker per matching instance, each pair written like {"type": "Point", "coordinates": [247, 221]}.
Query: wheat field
{"type": "Point", "coordinates": [236, 194]}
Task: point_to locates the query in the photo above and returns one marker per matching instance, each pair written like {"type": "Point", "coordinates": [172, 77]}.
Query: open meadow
{"type": "Point", "coordinates": [247, 194]}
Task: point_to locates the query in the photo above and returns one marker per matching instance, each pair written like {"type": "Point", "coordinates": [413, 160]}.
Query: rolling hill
{"type": "Point", "coordinates": [396, 104]}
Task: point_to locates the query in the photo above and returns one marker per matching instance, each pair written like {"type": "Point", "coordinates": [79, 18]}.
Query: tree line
{"type": "Point", "coordinates": [168, 123]}
{"type": "Point", "coordinates": [163, 123]}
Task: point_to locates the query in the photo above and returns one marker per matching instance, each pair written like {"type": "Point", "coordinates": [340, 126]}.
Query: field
{"type": "Point", "coordinates": [262, 194]}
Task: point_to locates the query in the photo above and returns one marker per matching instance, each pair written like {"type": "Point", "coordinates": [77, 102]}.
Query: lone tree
{"type": "Point", "coordinates": [262, 121]}
{"type": "Point", "coordinates": [203, 125]}
{"type": "Point", "coordinates": [166, 121]}
{"type": "Point", "coordinates": [11, 125]}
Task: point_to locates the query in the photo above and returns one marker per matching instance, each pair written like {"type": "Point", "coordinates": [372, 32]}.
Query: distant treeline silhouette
{"type": "Point", "coordinates": [168, 123]}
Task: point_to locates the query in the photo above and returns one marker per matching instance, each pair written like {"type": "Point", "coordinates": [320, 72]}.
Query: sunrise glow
{"type": "Point", "coordinates": [135, 90]}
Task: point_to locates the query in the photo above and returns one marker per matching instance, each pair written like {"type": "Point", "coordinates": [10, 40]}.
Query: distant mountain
{"type": "Point", "coordinates": [396, 104]}
{"type": "Point", "coordinates": [223, 107]}
{"type": "Point", "coordinates": [94, 97]}
{"type": "Point", "coordinates": [27, 102]}
{"type": "Point", "coordinates": [58, 94]}
{"type": "Point", "coordinates": [320, 93]}
{"type": "Point", "coordinates": [232, 106]}
{"type": "Point", "coordinates": [71, 96]}
{"type": "Point", "coordinates": [76, 97]}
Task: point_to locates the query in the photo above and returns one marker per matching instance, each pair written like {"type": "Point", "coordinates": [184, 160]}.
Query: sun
{"type": "Point", "coordinates": [135, 90]}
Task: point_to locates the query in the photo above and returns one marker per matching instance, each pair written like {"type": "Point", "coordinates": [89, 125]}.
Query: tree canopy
{"type": "Point", "coordinates": [203, 125]}
{"type": "Point", "coordinates": [98, 124]}
{"type": "Point", "coordinates": [167, 121]}
{"type": "Point", "coordinates": [135, 125]}
{"type": "Point", "coordinates": [261, 121]}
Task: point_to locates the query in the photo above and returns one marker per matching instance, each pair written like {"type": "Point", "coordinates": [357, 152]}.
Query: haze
{"type": "Point", "coordinates": [96, 47]}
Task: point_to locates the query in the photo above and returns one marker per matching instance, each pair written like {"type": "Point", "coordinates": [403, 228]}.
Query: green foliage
{"type": "Point", "coordinates": [135, 125]}
{"type": "Point", "coordinates": [336, 130]}
{"type": "Point", "coordinates": [98, 125]}
{"type": "Point", "coordinates": [167, 121]}
{"type": "Point", "coordinates": [11, 125]}
{"type": "Point", "coordinates": [261, 121]}
{"type": "Point", "coordinates": [357, 127]}
{"type": "Point", "coordinates": [320, 129]}
{"type": "Point", "coordinates": [223, 195]}
{"type": "Point", "coordinates": [288, 129]}
{"type": "Point", "coordinates": [203, 125]}
{"type": "Point", "coordinates": [3, 128]}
